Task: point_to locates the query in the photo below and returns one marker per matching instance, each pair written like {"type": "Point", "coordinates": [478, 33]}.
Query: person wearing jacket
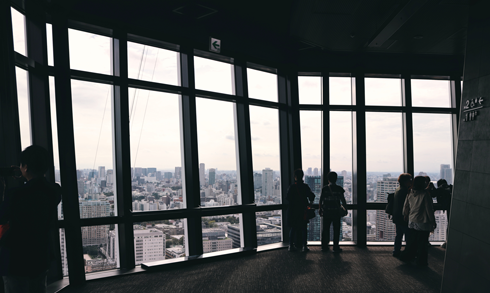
{"type": "Point", "coordinates": [419, 211]}
{"type": "Point", "coordinates": [26, 249]}
{"type": "Point", "coordinates": [331, 199]}
{"type": "Point", "coordinates": [299, 197]}
{"type": "Point", "coordinates": [405, 181]}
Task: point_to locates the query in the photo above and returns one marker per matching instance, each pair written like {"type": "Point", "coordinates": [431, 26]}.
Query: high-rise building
{"type": "Point", "coordinates": [94, 235]}
{"type": "Point", "coordinates": [212, 176]}
{"type": "Point", "coordinates": [385, 229]}
{"type": "Point", "coordinates": [202, 174]}
{"type": "Point", "coordinates": [152, 171]}
{"type": "Point", "coordinates": [309, 172]}
{"type": "Point", "coordinates": [446, 173]}
{"type": "Point", "coordinates": [234, 234]}
{"type": "Point", "coordinates": [178, 172]}
{"type": "Point", "coordinates": [110, 177]}
{"type": "Point", "coordinates": [340, 181]}
{"type": "Point", "coordinates": [101, 173]}
{"type": "Point", "coordinates": [138, 172]}
{"type": "Point", "coordinates": [257, 180]}
{"type": "Point", "coordinates": [315, 172]}
{"type": "Point", "coordinates": [167, 175]}
{"type": "Point", "coordinates": [344, 173]}
{"type": "Point", "coordinates": [149, 245]}
{"type": "Point", "coordinates": [267, 182]}
{"type": "Point", "coordinates": [214, 239]}
{"type": "Point", "coordinates": [314, 228]}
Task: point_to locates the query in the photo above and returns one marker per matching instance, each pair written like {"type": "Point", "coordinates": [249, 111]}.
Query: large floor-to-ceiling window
{"type": "Point", "coordinates": [178, 152]}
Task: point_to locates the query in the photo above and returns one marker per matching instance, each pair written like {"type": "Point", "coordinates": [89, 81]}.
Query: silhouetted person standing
{"type": "Point", "coordinates": [299, 197]}
{"type": "Point", "coordinates": [419, 211]}
{"type": "Point", "coordinates": [405, 181]}
{"type": "Point", "coordinates": [30, 211]}
{"type": "Point", "coordinates": [330, 205]}
{"type": "Point", "coordinates": [443, 193]}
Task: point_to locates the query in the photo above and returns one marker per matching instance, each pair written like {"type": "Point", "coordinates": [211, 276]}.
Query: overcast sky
{"type": "Point", "coordinates": [155, 119]}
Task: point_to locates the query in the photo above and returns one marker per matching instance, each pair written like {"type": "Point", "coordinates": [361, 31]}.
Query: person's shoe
{"type": "Point", "coordinates": [292, 248]}
{"type": "Point", "coordinates": [443, 245]}
{"type": "Point", "coordinates": [337, 250]}
{"type": "Point", "coordinates": [305, 249]}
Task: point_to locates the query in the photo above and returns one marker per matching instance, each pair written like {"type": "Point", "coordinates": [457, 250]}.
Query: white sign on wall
{"type": "Point", "coordinates": [470, 109]}
{"type": "Point", "coordinates": [214, 45]}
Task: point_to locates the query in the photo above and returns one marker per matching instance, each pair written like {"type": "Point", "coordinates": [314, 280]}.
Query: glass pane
{"type": "Point", "coordinates": [100, 248]}
{"type": "Point", "coordinates": [340, 90]}
{"type": "Point", "coordinates": [54, 131]}
{"type": "Point", "coordinates": [269, 227]}
{"type": "Point", "coordinates": [264, 128]}
{"type": "Point", "coordinates": [432, 146]}
{"type": "Point", "coordinates": [221, 233]}
{"type": "Point", "coordinates": [310, 89]}
{"type": "Point", "coordinates": [19, 31]}
{"type": "Point", "coordinates": [153, 64]}
{"type": "Point", "coordinates": [341, 150]}
{"type": "Point", "coordinates": [262, 85]}
{"type": "Point", "coordinates": [23, 104]}
{"type": "Point", "coordinates": [214, 76]}
{"type": "Point", "coordinates": [431, 93]}
{"type": "Point", "coordinates": [311, 142]}
{"type": "Point", "coordinates": [49, 41]}
{"type": "Point", "coordinates": [380, 227]}
{"type": "Point", "coordinates": [217, 145]}
{"type": "Point", "coordinates": [315, 228]}
{"type": "Point", "coordinates": [383, 91]}
{"type": "Point", "coordinates": [89, 52]}
{"type": "Point", "coordinates": [64, 259]}
{"type": "Point", "coordinates": [155, 151]}
{"type": "Point", "coordinates": [441, 229]}
{"type": "Point", "coordinates": [92, 123]}
{"type": "Point", "coordinates": [158, 240]}
{"type": "Point", "coordinates": [384, 150]}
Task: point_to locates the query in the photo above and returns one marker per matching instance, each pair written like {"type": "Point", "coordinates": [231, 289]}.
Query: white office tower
{"type": "Point", "coordinates": [385, 229]}
{"type": "Point", "coordinates": [440, 231]}
{"type": "Point", "coordinates": [149, 245]}
{"type": "Point", "coordinates": [178, 173]}
{"type": "Point", "coordinates": [315, 172]}
{"type": "Point", "coordinates": [267, 182]}
{"type": "Point", "coordinates": [101, 172]}
{"type": "Point", "coordinates": [94, 235]}
{"type": "Point", "coordinates": [110, 177]}
{"type": "Point", "coordinates": [202, 174]}
{"type": "Point", "coordinates": [112, 251]}
{"type": "Point", "coordinates": [446, 173]}
{"type": "Point", "coordinates": [64, 262]}
{"type": "Point", "coordinates": [214, 239]}
{"type": "Point", "coordinates": [308, 172]}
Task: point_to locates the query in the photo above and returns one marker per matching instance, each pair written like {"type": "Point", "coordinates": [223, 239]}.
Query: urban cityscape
{"type": "Point", "coordinates": [154, 190]}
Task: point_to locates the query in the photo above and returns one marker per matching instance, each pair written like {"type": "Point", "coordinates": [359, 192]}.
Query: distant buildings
{"type": "Point", "coordinates": [446, 173]}
{"type": "Point", "coordinates": [212, 176]}
{"type": "Point", "coordinates": [267, 183]}
{"type": "Point", "coordinates": [214, 239]}
{"type": "Point", "coordinates": [202, 174]}
{"type": "Point", "coordinates": [149, 245]}
{"type": "Point", "coordinates": [385, 229]}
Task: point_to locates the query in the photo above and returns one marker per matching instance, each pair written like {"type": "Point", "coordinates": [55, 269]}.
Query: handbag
{"type": "Point", "coordinates": [342, 212]}
{"type": "Point", "coordinates": [309, 213]}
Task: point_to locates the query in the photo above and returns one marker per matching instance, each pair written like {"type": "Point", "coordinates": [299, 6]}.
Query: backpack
{"type": "Point", "coordinates": [389, 206]}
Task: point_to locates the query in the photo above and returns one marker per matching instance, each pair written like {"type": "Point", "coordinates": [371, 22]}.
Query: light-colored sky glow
{"type": "Point", "coordinates": [264, 128]}
{"type": "Point", "coordinates": [262, 85]}
{"type": "Point", "coordinates": [160, 128]}
{"type": "Point", "coordinates": [155, 130]}
{"type": "Point", "coordinates": [213, 76]}
{"type": "Point", "coordinates": [383, 91]}
{"type": "Point", "coordinates": [311, 139]}
{"type": "Point", "coordinates": [430, 93]}
{"type": "Point", "coordinates": [384, 142]}
{"type": "Point", "coordinates": [216, 134]}
{"type": "Point", "coordinates": [18, 30]}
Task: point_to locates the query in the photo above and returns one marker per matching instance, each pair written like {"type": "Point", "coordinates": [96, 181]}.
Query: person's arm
{"type": "Point", "coordinates": [320, 203]}
{"type": "Point", "coordinates": [406, 208]}
{"type": "Point", "coordinates": [342, 198]}
{"type": "Point", "coordinates": [311, 195]}
{"type": "Point", "coordinates": [429, 206]}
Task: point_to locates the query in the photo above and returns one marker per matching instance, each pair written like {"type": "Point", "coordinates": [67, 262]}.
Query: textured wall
{"type": "Point", "coordinates": [467, 266]}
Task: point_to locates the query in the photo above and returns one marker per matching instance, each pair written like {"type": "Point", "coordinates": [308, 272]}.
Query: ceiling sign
{"type": "Point", "coordinates": [214, 45]}
{"type": "Point", "coordinates": [470, 109]}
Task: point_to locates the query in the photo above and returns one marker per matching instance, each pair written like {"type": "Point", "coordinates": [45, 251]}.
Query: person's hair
{"type": "Point", "coordinates": [36, 159]}
{"type": "Point", "coordinates": [419, 183]}
{"type": "Point", "coordinates": [441, 182]}
{"type": "Point", "coordinates": [298, 174]}
{"type": "Point", "coordinates": [404, 177]}
{"type": "Point", "coordinates": [332, 177]}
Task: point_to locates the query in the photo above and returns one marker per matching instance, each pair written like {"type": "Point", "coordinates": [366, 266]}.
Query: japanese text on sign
{"type": "Point", "coordinates": [470, 109]}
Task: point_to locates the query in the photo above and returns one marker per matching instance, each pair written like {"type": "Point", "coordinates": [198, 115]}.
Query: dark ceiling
{"type": "Point", "coordinates": [430, 26]}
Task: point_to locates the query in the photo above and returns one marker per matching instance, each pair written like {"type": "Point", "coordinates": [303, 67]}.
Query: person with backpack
{"type": "Point", "coordinates": [405, 181]}
{"type": "Point", "coordinates": [332, 209]}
